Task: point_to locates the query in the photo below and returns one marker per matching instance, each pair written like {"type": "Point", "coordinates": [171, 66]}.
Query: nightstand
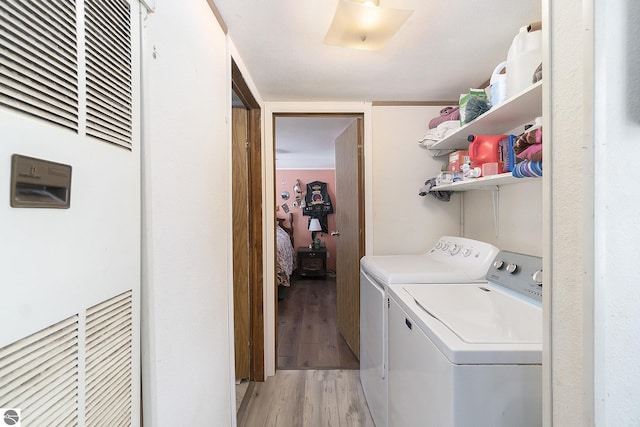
{"type": "Point", "coordinates": [312, 262]}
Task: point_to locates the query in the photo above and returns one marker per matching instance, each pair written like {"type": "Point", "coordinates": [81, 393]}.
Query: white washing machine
{"type": "Point", "coordinates": [452, 259]}
{"type": "Point", "coordinates": [468, 355]}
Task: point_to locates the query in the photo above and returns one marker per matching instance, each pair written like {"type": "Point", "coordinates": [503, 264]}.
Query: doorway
{"type": "Point", "coordinates": [308, 333]}
{"type": "Point", "coordinates": [247, 231]}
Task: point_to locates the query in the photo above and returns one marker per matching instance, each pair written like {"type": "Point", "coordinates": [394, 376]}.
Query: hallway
{"type": "Point", "coordinates": [308, 337]}
{"type": "Point", "coordinates": [307, 398]}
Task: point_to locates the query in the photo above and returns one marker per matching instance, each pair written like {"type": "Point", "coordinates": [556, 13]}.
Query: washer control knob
{"type": "Point", "coordinates": [498, 264]}
{"type": "Point", "coordinates": [511, 268]}
{"type": "Point", "coordinates": [444, 246]}
{"type": "Point", "coordinates": [438, 245]}
{"type": "Point", "coordinates": [455, 249]}
{"type": "Point", "coordinates": [537, 277]}
{"type": "Point", "coordinates": [466, 252]}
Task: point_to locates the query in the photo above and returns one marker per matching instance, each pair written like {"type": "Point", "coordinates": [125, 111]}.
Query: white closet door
{"type": "Point", "coordinates": [70, 278]}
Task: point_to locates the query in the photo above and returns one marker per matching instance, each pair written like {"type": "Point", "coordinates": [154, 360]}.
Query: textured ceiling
{"type": "Point", "coordinates": [443, 49]}
{"type": "Point", "coordinates": [308, 143]}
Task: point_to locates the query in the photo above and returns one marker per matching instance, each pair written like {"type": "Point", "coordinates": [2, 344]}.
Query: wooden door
{"type": "Point", "coordinates": [240, 200]}
{"type": "Point", "coordinates": [350, 226]}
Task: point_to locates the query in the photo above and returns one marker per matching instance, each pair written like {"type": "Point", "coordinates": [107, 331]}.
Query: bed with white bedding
{"type": "Point", "coordinates": [285, 256]}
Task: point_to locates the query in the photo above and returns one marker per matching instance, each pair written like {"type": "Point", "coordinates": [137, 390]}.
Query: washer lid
{"type": "Point", "coordinates": [413, 269]}
{"type": "Point", "coordinates": [482, 313]}
{"type": "Point", "coordinates": [452, 259]}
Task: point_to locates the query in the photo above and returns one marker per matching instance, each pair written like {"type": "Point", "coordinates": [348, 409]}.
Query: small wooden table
{"type": "Point", "coordinates": [312, 262]}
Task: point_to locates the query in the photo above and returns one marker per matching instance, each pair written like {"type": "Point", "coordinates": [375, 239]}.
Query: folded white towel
{"type": "Point", "coordinates": [448, 127]}
{"type": "Point", "coordinates": [429, 138]}
{"type": "Point", "coordinates": [427, 143]}
{"type": "Point", "coordinates": [440, 153]}
{"type": "Point", "coordinates": [431, 134]}
{"type": "Point", "coordinates": [440, 131]}
{"type": "Point", "coordinates": [436, 134]}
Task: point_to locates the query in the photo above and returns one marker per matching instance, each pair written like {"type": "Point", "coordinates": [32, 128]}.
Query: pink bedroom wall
{"type": "Point", "coordinates": [285, 180]}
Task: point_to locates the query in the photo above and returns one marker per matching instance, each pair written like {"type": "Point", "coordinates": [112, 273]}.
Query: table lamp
{"type": "Point", "coordinates": [314, 226]}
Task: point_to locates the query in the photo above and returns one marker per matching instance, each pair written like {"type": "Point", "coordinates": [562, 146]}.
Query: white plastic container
{"type": "Point", "coordinates": [498, 85]}
{"type": "Point", "coordinates": [524, 57]}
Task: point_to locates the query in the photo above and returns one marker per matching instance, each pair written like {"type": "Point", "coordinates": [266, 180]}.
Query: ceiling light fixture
{"type": "Point", "coordinates": [363, 24]}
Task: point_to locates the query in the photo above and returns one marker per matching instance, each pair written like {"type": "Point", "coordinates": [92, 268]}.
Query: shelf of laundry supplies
{"type": "Point", "coordinates": [518, 110]}
{"type": "Point", "coordinates": [484, 183]}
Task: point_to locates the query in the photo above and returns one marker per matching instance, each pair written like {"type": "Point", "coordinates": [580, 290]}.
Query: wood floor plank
{"type": "Point", "coordinates": [307, 333]}
{"type": "Point", "coordinates": [289, 336]}
{"type": "Point", "coordinates": [290, 317]}
{"type": "Point", "coordinates": [350, 407]}
{"type": "Point", "coordinates": [309, 398]}
{"type": "Point", "coordinates": [346, 358]}
{"type": "Point", "coordinates": [288, 403]}
{"type": "Point", "coordinates": [318, 355]}
{"type": "Point", "coordinates": [277, 402]}
{"type": "Point", "coordinates": [325, 401]}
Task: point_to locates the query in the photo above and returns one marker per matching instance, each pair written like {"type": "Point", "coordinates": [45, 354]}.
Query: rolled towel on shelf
{"type": "Point", "coordinates": [429, 138]}
{"type": "Point", "coordinates": [439, 153]}
{"type": "Point", "coordinates": [532, 152]}
{"type": "Point", "coordinates": [446, 114]}
{"type": "Point", "coordinates": [426, 142]}
{"type": "Point", "coordinates": [448, 127]}
{"type": "Point", "coordinates": [527, 169]}
{"type": "Point", "coordinates": [434, 135]}
{"type": "Point", "coordinates": [528, 146]}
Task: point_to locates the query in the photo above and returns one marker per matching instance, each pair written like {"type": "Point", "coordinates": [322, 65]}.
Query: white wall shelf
{"type": "Point", "coordinates": [491, 182]}
{"type": "Point", "coordinates": [515, 111]}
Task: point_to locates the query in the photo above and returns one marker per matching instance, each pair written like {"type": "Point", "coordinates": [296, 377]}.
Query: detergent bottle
{"type": "Point", "coordinates": [498, 85]}
{"type": "Point", "coordinates": [524, 57]}
{"type": "Point", "coordinates": [485, 149]}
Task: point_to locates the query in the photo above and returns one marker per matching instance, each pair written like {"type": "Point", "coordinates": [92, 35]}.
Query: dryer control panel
{"type": "Point", "coordinates": [520, 273]}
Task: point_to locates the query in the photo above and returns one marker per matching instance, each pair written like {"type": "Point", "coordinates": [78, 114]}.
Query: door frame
{"type": "Point", "coordinates": [256, 287]}
{"type": "Point", "coordinates": [360, 117]}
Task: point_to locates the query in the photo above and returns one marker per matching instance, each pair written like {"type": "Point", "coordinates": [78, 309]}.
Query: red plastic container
{"type": "Point", "coordinates": [485, 149]}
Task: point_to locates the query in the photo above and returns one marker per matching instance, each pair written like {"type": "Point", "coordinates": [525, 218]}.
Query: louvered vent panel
{"type": "Point", "coordinates": [108, 53]}
{"type": "Point", "coordinates": [108, 363]}
{"type": "Point", "coordinates": [39, 375]}
{"type": "Point", "coordinates": [38, 59]}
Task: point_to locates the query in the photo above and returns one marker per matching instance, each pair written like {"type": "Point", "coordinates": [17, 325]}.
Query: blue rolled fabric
{"type": "Point", "coordinates": [527, 169]}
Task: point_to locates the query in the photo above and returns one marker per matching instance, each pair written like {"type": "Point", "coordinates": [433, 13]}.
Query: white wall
{"type": "Point", "coordinates": [403, 221]}
{"type": "Point", "coordinates": [186, 222]}
{"type": "Point", "coordinates": [617, 209]}
{"type": "Point", "coordinates": [519, 223]}
{"type": "Point", "coordinates": [568, 251]}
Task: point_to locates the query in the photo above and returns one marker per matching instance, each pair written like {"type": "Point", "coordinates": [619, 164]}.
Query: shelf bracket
{"type": "Point", "coordinates": [496, 209]}
{"type": "Point", "coordinates": [495, 195]}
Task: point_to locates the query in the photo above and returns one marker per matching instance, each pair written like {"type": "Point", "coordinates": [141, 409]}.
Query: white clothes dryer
{"type": "Point", "coordinates": [468, 355]}
{"type": "Point", "coordinates": [451, 260]}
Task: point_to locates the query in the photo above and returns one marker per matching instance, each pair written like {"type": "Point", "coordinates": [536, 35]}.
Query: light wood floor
{"type": "Point", "coordinates": [241, 390]}
{"type": "Point", "coordinates": [307, 333]}
{"type": "Point", "coordinates": [308, 398]}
